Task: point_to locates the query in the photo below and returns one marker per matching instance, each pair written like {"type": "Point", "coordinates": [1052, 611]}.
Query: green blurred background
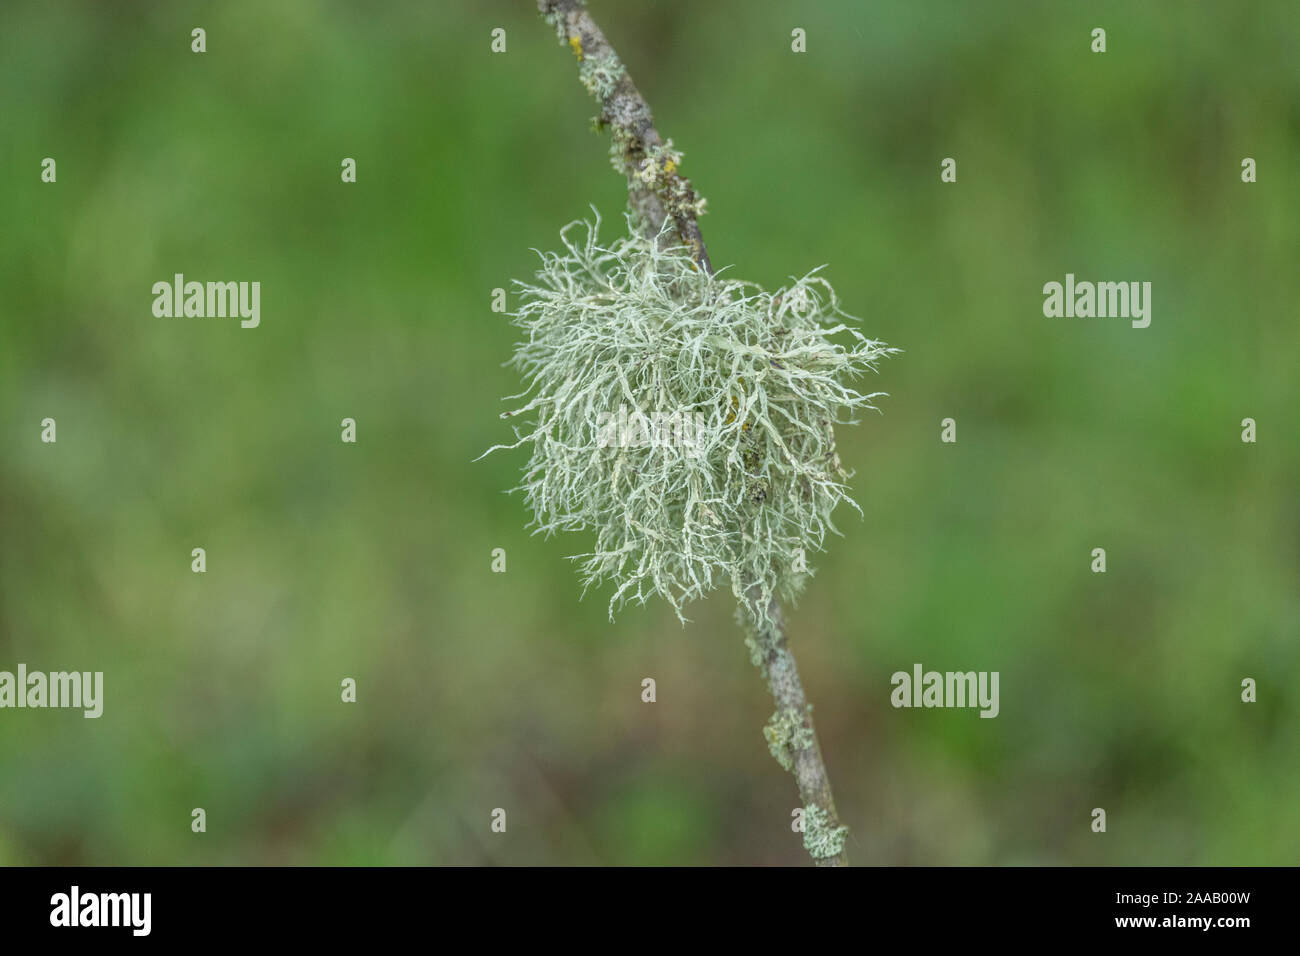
{"type": "Point", "coordinates": [480, 690]}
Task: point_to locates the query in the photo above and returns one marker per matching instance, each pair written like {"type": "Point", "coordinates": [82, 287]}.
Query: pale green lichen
{"type": "Point", "coordinates": [620, 143]}
{"type": "Point", "coordinates": [820, 838]}
{"type": "Point", "coordinates": [658, 170]}
{"type": "Point", "coordinates": [659, 163]}
{"type": "Point", "coordinates": [786, 733]}
{"type": "Point", "coordinates": [600, 75]}
{"type": "Point", "coordinates": [767, 375]}
{"type": "Point", "coordinates": [556, 22]}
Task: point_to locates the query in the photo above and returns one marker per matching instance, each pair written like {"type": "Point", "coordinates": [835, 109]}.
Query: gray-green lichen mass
{"type": "Point", "coordinates": [683, 419]}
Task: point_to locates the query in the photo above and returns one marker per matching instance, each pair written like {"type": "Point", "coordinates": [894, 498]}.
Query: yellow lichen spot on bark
{"type": "Point", "coordinates": [670, 166]}
{"type": "Point", "coordinates": [575, 41]}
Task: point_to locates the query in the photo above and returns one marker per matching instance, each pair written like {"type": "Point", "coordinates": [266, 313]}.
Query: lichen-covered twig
{"type": "Point", "coordinates": [656, 188]}
{"type": "Point", "coordinates": [785, 468]}
{"type": "Point", "coordinates": [792, 738]}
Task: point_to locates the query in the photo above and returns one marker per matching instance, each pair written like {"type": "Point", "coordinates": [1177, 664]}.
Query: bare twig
{"type": "Point", "coordinates": [657, 191]}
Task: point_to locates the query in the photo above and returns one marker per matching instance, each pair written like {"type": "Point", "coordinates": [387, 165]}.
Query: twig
{"type": "Point", "coordinates": [656, 191]}
{"type": "Point", "coordinates": [795, 745]}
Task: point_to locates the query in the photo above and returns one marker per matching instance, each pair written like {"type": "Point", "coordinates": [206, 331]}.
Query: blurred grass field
{"type": "Point", "coordinates": [481, 690]}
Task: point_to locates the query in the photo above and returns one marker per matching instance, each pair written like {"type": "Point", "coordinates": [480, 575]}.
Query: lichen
{"type": "Point", "coordinates": [766, 375]}
{"type": "Point", "coordinates": [820, 838]}
{"type": "Point", "coordinates": [658, 170]}
{"type": "Point", "coordinates": [555, 20]}
{"type": "Point", "coordinates": [600, 75]}
{"type": "Point", "coordinates": [621, 143]}
{"type": "Point", "coordinates": [786, 733]}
